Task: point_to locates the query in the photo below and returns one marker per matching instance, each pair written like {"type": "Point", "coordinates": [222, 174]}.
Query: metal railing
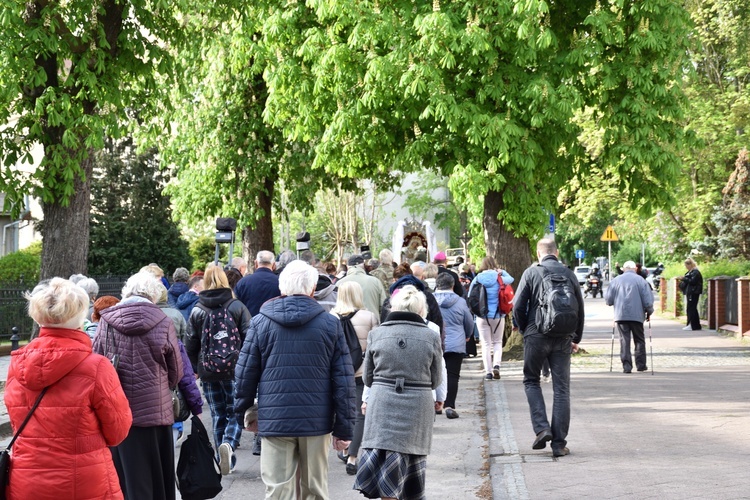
{"type": "Point", "coordinates": [13, 309]}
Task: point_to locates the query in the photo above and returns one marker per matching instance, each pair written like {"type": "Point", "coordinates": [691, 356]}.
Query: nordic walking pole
{"type": "Point", "coordinates": [651, 345]}
{"type": "Point", "coordinates": [612, 352]}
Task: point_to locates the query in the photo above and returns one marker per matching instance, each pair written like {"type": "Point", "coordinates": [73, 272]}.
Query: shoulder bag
{"type": "Point", "coordinates": [5, 454]}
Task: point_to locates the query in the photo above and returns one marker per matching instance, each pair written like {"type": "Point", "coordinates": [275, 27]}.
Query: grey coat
{"type": "Point", "coordinates": [402, 347]}
{"type": "Point", "coordinates": [631, 296]}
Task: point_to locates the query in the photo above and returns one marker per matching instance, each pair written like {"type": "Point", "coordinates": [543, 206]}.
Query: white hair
{"type": "Point", "coordinates": [265, 257]}
{"type": "Point", "coordinates": [409, 299]}
{"type": "Point", "coordinates": [143, 284]}
{"type": "Point", "coordinates": [75, 278]}
{"type": "Point", "coordinates": [298, 278]}
{"type": "Point", "coordinates": [286, 257]}
{"type": "Point", "coordinates": [90, 286]}
{"type": "Point", "coordinates": [58, 303]}
{"type": "Point", "coordinates": [386, 257]}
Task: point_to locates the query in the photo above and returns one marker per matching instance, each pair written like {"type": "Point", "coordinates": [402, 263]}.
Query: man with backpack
{"type": "Point", "coordinates": [549, 312]}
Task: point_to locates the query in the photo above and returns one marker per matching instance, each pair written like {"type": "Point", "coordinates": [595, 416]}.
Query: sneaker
{"type": "Point", "coordinates": [225, 458]}
{"type": "Point", "coordinates": [560, 452]}
{"type": "Point", "coordinates": [546, 379]}
{"type": "Point", "coordinates": [496, 372]}
{"type": "Point", "coordinates": [688, 327]}
{"type": "Point", "coordinates": [488, 376]}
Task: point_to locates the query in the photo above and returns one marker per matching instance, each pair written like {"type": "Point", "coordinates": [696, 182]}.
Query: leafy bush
{"type": "Point", "coordinates": [203, 248]}
{"type": "Point", "coordinates": [631, 250]}
{"type": "Point", "coordinates": [23, 265]}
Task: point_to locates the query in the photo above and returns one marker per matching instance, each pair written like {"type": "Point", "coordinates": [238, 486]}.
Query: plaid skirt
{"type": "Point", "coordinates": [383, 473]}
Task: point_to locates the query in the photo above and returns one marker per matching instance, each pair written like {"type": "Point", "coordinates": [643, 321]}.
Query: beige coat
{"type": "Point", "coordinates": [363, 322]}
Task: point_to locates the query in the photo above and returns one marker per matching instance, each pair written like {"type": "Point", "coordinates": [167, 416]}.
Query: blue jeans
{"type": "Point", "coordinates": [220, 398]}
{"type": "Point", "coordinates": [536, 349]}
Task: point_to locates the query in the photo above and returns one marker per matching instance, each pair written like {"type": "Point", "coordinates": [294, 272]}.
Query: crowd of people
{"type": "Point", "coordinates": [299, 352]}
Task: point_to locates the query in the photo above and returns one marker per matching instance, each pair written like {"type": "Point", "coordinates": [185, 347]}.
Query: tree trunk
{"type": "Point", "coordinates": [260, 236]}
{"type": "Point", "coordinates": [65, 230]}
{"type": "Point", "coordinates": [512, 253]}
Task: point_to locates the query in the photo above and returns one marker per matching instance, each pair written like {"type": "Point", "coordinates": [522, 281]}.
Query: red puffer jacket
{"type": "Point", "coordinates": [62, 452]}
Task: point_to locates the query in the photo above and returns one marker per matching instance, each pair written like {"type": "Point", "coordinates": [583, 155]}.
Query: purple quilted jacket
{"type": "Point", "coordinates": [144, 340]}
{"type": "Point", "coordinates": [188, 385]}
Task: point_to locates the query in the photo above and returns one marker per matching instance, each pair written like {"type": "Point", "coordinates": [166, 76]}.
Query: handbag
{"type": "Point", "coordinates": [179, 406]}
{"type": "Point", "coordinates": [198, 475]}
{"type": "Point", "coordinates": [5, 454]}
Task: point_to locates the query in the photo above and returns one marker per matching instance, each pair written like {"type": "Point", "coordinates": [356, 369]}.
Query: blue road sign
{"type": "Point", "coordinates": [551, 223]}
{"type": "Point", "coordinates": [580, 254]}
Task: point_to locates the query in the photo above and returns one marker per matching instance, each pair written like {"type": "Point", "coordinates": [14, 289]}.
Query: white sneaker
{"type": "Point", "coordinates": [546, 379]}
{"type": "Point", "coordinates": [225, 458]}
{"type": "Point", "coordinates": [688, 327]}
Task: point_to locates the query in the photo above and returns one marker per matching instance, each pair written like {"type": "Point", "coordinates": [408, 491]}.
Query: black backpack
{"type": "Point", "coordinates": [350, 334]}
{"type": "Point", "coordinates": [220, 343]}
{"type": "Point", "coordinates": [557, 312]}
{"type": "Point", "coordinates": [477, 300]}
{"type": "Point", "coordinates": [198, 473]}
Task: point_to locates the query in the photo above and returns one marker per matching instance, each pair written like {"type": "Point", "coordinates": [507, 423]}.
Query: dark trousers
{"type": "Point", "coordinates": [693, 319]}
{"type": "Point", "coordinates": [359, 422]}
{"type": "Point", "coordinates": [453, 361]}
{"type": "Point", "coordinates": [145, 463]}
{"type": "Point", "coordinates": [536, 349]}
{"type": "Point", "coordinates": [626, 329]}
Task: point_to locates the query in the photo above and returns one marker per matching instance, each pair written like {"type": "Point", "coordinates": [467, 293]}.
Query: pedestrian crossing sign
{"type": "Point", "coordinates": [609, 235]}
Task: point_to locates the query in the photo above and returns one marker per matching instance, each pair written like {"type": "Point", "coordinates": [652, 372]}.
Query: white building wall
{"type": "Point", "coordinates": [393, 210]}
{"type": "Point", "coordinates": [19, 234]}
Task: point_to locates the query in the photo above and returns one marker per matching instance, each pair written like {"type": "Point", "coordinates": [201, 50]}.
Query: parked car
{"type": "Point", "coordinates": [581, 272]}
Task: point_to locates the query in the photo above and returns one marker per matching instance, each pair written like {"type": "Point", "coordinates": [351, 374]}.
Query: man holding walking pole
{"type": "Point", "coordinates": [634, 302]}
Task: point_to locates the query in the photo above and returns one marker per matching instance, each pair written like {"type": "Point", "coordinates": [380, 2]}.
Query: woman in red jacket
{"type": "Point", "coordinates": [63, 450]}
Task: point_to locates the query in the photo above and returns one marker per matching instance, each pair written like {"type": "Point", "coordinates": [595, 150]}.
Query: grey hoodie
{"type": "Point", "coordinates": [326, 292]}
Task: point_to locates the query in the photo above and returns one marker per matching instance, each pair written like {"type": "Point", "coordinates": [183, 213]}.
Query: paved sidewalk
{"type": "Point", "coordinates": [456, 470]}
{"type": "Point", "coordinates": [680, 433]}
